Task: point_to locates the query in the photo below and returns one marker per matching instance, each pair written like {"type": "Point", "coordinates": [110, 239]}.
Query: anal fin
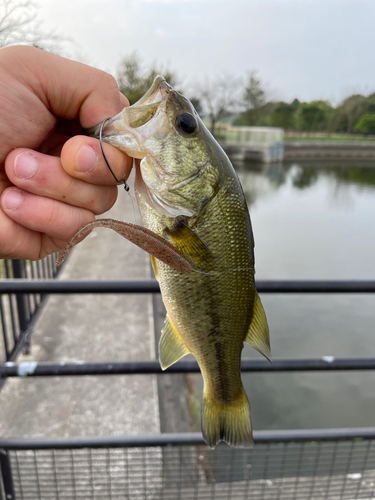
{"type": "Point", "coordinates": [258, 335]}
{"type": "Point", "coordinates": [171, 346]}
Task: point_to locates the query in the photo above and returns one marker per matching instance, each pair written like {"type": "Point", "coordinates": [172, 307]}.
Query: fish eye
{"type": "Point", "coordinates": [186, 123]}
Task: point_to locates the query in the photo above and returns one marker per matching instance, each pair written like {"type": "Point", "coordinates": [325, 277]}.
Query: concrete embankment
{"type": "Point", "coordinates": [328, 151]}
{"type": "Point", "coordinates": [303, 151]}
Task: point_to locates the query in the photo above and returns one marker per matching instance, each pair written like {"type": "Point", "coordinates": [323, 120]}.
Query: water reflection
{"type": "Point", "coordinates": [311, 220]}
{"type": "Point", "coordinates": [261, 179]}
{"type": "Point", "coordinates": [314, 220]}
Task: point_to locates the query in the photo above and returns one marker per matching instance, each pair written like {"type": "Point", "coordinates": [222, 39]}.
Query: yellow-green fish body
{"type": "Point", "coordinates": [189, 194]}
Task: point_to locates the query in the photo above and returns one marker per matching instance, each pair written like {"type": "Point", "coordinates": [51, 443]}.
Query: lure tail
{"type": "Point", "coordinates": [227, 422]}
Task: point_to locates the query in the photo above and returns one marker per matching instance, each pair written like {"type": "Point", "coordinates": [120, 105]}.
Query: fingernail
{"type": "Point", "coordinates": [86, 158]}
{"type": "Point", "coordinates": [25, 166]}
{"type": "Point", "coordinates": [12, 199]}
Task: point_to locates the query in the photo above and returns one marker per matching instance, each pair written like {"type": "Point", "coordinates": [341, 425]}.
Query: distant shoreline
{"type": "Point", "coordinates": [323, 137]}
{"type": "Point", "coordinates": [328, 150]}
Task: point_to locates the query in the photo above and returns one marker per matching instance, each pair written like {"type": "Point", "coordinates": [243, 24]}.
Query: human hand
{"type": "Point", "coordinates": [52, 181]}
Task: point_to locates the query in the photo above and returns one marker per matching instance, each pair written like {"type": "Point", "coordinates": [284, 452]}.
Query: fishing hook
{"type": "Point", "coordinates": [126, 186]}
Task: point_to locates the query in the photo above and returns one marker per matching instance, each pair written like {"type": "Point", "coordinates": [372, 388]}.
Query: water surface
{"type": "Point", "coordinates": [313, 221]}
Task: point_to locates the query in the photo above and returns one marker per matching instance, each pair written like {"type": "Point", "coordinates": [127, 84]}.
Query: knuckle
{"type": "Point", "coordinates": [107, 80]}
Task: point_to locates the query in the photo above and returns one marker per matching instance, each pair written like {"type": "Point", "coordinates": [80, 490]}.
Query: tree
{"type": "Point", "coordinates": [17, 26]}
{"type": "Point", "coordinates": [254, 101]}
{"type": "Point", "coordinates": [313, 116]}
{"type": "Point", "coordinates": [310, 117]}
{"type": "Point", "coordinates": [219, 98]}
{"type": "Point", "coordinates": [365, 124]}
{"type": "Point", "coordinates": [254, 95]}
{"type": "Point", "coordinates": [295, 104]}
{"type": "Point", "coordinates": [282, 116]}
{"type": "Point", "coordinates": [354, 106]}
{"type": "Point", "coordinates": [134, 79]}
{"type": "Point", "coordinates": [336, 120]}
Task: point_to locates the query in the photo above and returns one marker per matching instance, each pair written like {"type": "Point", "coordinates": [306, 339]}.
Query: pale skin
{"type": "Point", "coordinates": [45, 102]}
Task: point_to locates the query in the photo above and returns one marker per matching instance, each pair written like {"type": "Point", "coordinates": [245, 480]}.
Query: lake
{"type": "Point", "coordinates": [313, 221]}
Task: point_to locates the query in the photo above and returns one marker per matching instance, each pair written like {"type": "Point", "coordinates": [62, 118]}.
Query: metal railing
{"type": "Point", "coordinates": [307, 464]}
{"type": "Point", "coordinates": [18, 313]}
{"type": "Point", "coordinates": [284, 465]}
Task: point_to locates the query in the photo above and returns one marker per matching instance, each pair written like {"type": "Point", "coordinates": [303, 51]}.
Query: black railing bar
{"type": "Point", "coordinates": [78, 286]}
{"type": "Point", "coordinates": [4, 329]}
{"type": "Point", "coordinates": [178, 439]}
{"type": "Point", "coordinates": [6, 475]}
{"type": "Point", "coordinates": [151, 286]}
{"type": "Point", "coordinates": [23, 341]}
{"type": "Point", "coordinates": [42, 369]}
{"type": "Point", "coordinates": [23, 313]}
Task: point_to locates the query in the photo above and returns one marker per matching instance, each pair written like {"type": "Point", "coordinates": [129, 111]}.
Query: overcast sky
{"type": "Point", "coordinates": [309, 49]}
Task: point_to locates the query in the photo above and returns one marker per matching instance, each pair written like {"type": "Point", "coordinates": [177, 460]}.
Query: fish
{"type": "Point", "coordinates": [198, 232]}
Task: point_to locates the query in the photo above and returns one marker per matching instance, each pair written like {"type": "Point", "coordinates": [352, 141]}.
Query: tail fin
{"type": "Point", "coordinates": [227, 422]}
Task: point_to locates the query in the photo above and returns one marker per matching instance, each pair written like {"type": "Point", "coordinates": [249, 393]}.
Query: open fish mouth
{"type": "Point", "coordinates": [128, 125]}
{"type": "Point", "coordinates": [142, 131]}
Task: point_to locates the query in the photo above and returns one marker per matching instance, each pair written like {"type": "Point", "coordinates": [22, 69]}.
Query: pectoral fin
{"type": "Point", "coordinates": [258, 334]}
{"type": "Point", "coordinates": [189, 244]}
{"type": "Point", "coordinates": [171, 347]}
{"type": "Point", "coordinates": [144, 238]}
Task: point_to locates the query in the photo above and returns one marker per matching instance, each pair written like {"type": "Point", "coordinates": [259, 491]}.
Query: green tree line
{"type": "Point", "coordinates": [355, 114]}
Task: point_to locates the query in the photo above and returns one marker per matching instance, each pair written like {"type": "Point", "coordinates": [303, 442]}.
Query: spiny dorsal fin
{"type": "Point", "coordinates": [258, 334]}
{"type": "Point", "coordinates": [171, 347]}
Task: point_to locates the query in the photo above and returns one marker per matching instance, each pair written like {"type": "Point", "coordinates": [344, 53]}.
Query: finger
{"type": "Point", "coordinates": [82, 158]}
{"type": "Point", "coordinates": [33, 226]}
{"type": "Point", "coordinates": [18, 242]}
{"type": "Point", "coordinates": [67, 88]}
{"type": "Point", "coordinates": [124, 101]}
{"type": "Point", "coordinates": [66, 129]}
{"type": "Point", "coordinates": [44, 175]}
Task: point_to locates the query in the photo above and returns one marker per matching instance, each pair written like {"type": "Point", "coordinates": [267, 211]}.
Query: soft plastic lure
{"type": "Point", "coordinates": [144, 238]}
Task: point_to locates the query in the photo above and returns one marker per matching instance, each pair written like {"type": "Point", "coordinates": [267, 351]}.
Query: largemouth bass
{"type": "Point", "coordinates": [198, 230]}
